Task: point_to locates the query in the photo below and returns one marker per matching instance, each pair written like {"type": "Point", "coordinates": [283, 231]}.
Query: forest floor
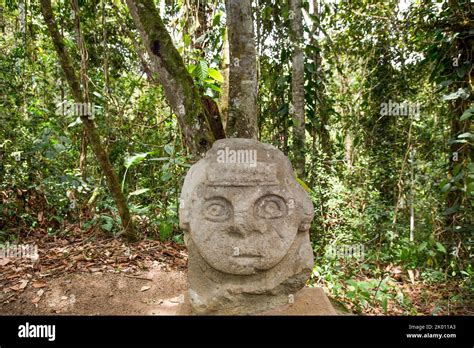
{"type": "Point", "coordinates": [92, 275]}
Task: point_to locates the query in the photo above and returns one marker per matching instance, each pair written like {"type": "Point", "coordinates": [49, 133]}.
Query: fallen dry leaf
{"type": "Point", "coordinates": [145, 288]}
{"type": "Point", "coordinates": [23, 284]}
{"type": "Point", "coordinates": [15, 288]}
{"type": "Point", "coordinates": [4, 261]}
{"type": "Point", "coordinates": [39, 284]}
{"type": "Point", "coordinates": [40, 292]}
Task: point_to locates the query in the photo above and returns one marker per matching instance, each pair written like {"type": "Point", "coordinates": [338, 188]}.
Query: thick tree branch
{"type": "Point", "coordinates": [168, 66]}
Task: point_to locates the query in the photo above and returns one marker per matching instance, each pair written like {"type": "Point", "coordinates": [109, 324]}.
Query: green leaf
{"type": "Point", "coordinates": [307, 189]}
{"type": "Point", "coordinates": [446, 187]}
{"type": "Point", "coordinates": [159, 159]}
{"type": "Point", "coordinates": [216, 75]}
{"type": "Point", "coordinates": [466, 114]}
{"type": "Point", "coordinates": [135, 159]}
{"type": "Point", "coordinates": [166, 176]}
{"type": "Point", "coordinates": [217, 19]}
{"type": "Point", "coordinates": [59, 147]}
{"type": "Point", "coordinates": [178, 239]}
{"type": "Point", "coordinates": [456, 169]}
{"type": "Point", "coordinates": [463, 141]}
{"type": "Point", "coordinates": [462, 70]}
{"type": "Point", "coordinates": [470, 188]}
{"type": "Point", "coordinates": [98, 95]}
{"type": "Point", "coordinates": [460, 93]}
{"type": "Point", "coordinates": [458, 177]}
{"type": "Point", "coordinates": [440, 247]}
{"type": "Point", "coordinates": [191, 68]}
{"type": "Point", "coordinates": [202, 70]}
{"type": "Point", "coordinates": [385, 303]}
{"type": "Point", "coordinates": [446, 83]}
{"type": "Point", "coordinates": [443, 183]}
{"type": "Point", "coordinates": [466, 135]}
{"type": "Point", "coordinates": [138, 192]}
{"type": "Point", "coordinates": [186, 40]}
{"type": "Point", "coordinates": [350, 295]}
{"type": "Point", "coordinates": [108, 223]}
{"type": "Point", "coordinates": [169, 149]}
{"type": "Point", "coordinates": [451, 210]}
{"type": "Point", "coordinates": [422, 246]}
{"type": "Point", "coordinates": [215, 88]}
{"type": "Point", "coordinates": [166, 228]}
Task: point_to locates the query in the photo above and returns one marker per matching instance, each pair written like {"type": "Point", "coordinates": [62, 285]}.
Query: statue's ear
{"type": "Point", "coordinates": [305, 223]}
{"type": "Point", "coordinates": [183, 216]}
{"type": "Point", "coordinates": [307, 215]}
{"type": "Point", "coordinates": [184, 225]}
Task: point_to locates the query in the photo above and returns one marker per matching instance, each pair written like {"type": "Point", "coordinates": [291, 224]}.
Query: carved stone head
{"type": "Point", "coordinates": [242, 210]}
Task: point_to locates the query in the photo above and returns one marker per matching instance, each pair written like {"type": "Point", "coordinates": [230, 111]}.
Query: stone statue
{"type": "Point", "coordinates": [246, 221]}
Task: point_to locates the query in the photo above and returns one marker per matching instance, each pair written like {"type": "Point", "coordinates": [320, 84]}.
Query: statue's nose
{"type": "Point", "coordinates": [240, 226]}
{"type": "Point", "coordinates": [238, 230]}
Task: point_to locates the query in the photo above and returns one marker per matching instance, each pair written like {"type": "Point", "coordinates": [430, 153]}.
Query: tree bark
{"type": "Point", "coordinates": [92, 133]}
{"type": "Point", "coordinates": [297, 87]}
{"type": "Point", "coordinates": [242, 111]}
{"type": "Point", "coordinates": [201, 9]}
{"type": "Point", "coordinates": [460, 153]}
{"type": "Point", "coordinates": [348, 148]}
{"type": "Point", "coordinates": [225, 67]}
{"type": "Point", "coordinates": [2, 22]}
{"type": "Point", "coordinates": [168, 66]}
{"type": "Point", "coordinates": [412, 195]}
{"type": "Point", "coordinates": [320, 106]}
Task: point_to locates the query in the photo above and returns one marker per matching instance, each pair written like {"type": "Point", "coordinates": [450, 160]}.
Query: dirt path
{"type": "Point", "coordinates": [93, 275]}
{"type": "Point", "coordinates": [103, 294]}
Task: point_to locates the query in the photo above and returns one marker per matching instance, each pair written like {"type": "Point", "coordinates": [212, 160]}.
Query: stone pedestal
{"type": "Point", "coordinates": [307, 301]}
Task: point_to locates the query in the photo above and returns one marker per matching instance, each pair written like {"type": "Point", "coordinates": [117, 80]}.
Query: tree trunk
{"type": "Point", "coordinates": [201, 9]}
{"type": "Point", "coordinates": [412, 195]}
{"type": "Point", "coordinates": [224, 97]}
{"type": "Point", "coordinates": [320, 106]}
{"type": "Point", "coordinates": [2, 22]}
{"type": "Point", "coordinates": [348, 148]}
{"type": "Point", "coordinates": [92, 133]}
{"type": "Point", "coordinates": [460, 153]}
{"type": "Point", "coordinates": [85, 85]}
{"type": "Point", "coordinates": [297, 87]}
{"type": "Point", "coordinates": [242, 112]}
{"type": "Point", "coordinates": [168, 66]}
{"type": "Point", "coordinates": [22, 15]}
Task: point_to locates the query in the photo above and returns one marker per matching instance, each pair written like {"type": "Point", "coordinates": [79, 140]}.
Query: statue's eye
{"type": "Point", "coordinates": [217, 209]}
{"type": "Point", "coordinates": [270, 207]}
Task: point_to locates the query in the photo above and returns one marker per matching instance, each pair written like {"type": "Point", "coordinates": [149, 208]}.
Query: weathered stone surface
{"type": "Point", "coordinates": [307, 301]}
{"type": "Point", "coordinates": [247, 223]}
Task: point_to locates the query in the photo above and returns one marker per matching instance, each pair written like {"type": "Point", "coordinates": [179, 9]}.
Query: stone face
{"type": "Point", "coordinates": [246, 222]}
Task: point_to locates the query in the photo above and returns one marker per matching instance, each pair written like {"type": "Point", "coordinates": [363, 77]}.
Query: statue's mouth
{"type": "Point", "coordinates": [248, 255]}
